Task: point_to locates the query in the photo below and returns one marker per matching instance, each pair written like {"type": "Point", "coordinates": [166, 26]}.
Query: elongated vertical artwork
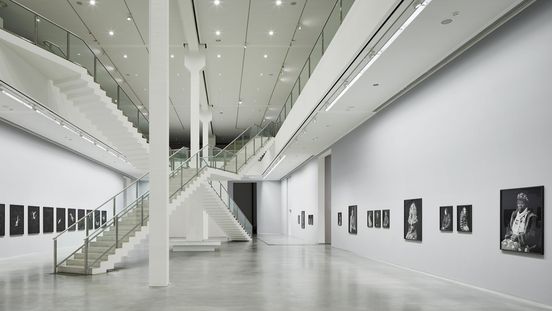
{"type": "Point", "coordinates": [71, 219]}
{"type": "Point", "coordinates": [353, 219]}
{"type": "Point", "coordinates": [377, 219]}
{"type": "Point", "coordinates": [33, 220]}
{"type": "Point", "coordinates": [90, 219]}
{"type": "Point", "coordinates": [445, 218]}
{"type": "Point", "coordinates": [522, 220]}
{"type": "Point", "coordinates": [60, 219]}
{"type": "Point", "coordinates": [464, 218]}
{"type": "Point", "coordinates": [370, 220]}
{"type": "Point", "coordinates": [413, 220]}
{"type": "Point", "coordinates": [298, 219]}
{"type": "Point", "coordinates": [386, 222]}
{"type": "Point", "coordinates": [47, 219]}
{"type": "Point", "coordinates": [2, 219]}
{"type": "Point", "coordinates": [80, 216]}
{"type": "Point", "coordinates": [104, 217]}
{"type": "Point", "coordinates": [302, 219]}
{"type": "Point", "coordinates": [311, 220]}
{"type": "Point", "coordinates": [339, 219]}
{"type": "Point", "coordinates": [17, 219]}
{"type": "Point", "coordinates": [97, 219]}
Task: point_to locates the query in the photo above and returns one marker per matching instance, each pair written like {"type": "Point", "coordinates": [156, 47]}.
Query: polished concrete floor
{"type": "Point", "coordinates": [243, 276]}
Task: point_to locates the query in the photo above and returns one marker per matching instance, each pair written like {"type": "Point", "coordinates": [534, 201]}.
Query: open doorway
{"type": "Point", "coordinates": [245, 196]}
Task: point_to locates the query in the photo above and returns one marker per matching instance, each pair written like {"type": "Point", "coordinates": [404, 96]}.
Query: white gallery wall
{"type": "Point", "coordinates": [481, 124]}
{"type": "Point", "coordinates": [270, 212]}
{"type": "Point", "coordinates": [37, 173]}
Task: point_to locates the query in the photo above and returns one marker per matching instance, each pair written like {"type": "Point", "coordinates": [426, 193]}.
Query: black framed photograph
{"type": "Point", "coordinates": [302, 219]}
{"type": "Point", "coordinates": [71, 219]}
{"type": "Point", "coordinates": [90, 219]}
{"type": "Point", "coordinates": [97, 219]}
{"type": "Point", "coordinates": [80, 215]}
{"type": "Point", "coordinates": [413, 220]}
{"type": "Point", "coordinates": [464, 218]}
{"type": "Point", "coordinates": [17, 220]}
{"type": "Point", "coordinates": [370, 219]}
{"type": "Point", "coordinates": [33, 219]}
{"type": "Point", "coordinates": [104, 217]}
{"type": "Point", "coordinates": [522, 220]}
{"type": "Point", "coordinates": [386, 218]}
{"type": "Point", "coordinates": [298, 219]}
{"type": "Point", "coordinates": [311, 220]}
{"type": "Point", "coordinates": [2, 219]}
{"type": "Point", "coordinates": [377, 219]}
{"type": "Point", "coordinates": [353, 219]}
{"type": "Point", "coordinates": [445, 218]}
{"type": "Point", "coordinates": [47, 219]}
{"type": "Point", "coordinates": [60, 219]}
{"type": "Point", "coordinates": [339, 219]}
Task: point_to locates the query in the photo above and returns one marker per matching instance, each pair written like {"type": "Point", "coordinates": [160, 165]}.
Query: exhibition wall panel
{"type": "Point", "coordinates": [479, 125]}
{"type": "Point", "coordinates": [302, 195]}
{"type": "Point", "coordinates": [37, 173]}
{"type": "Point", "coordinates": [269, 208]}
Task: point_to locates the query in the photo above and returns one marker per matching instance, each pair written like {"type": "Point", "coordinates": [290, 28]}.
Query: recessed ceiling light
{"type": "Point", "coordinates": [265, 56]}
{"type": "Point", "coordinates": [240, 102]}
{"type": "Point", "coordinates": [219, 56]}
{"type": "Point", "coordinates": [129, 18]}
{"type": "Point", "coordinates": [217, 32]}
{"type": "Point", "coordinates": [216, 2]}
{"type": "Point", "coordinates": [125, 56]}
{"type": "Point", "coordinates": [172, 55]}
{"type": "Point", "coordinates": [220, 74]}
{"type": "Point", "coordinates": [261, 74]}
{"type": "Point", "coordinates": [109, 68]}
{"type": "Point", "coordinates": [278, 2]}
{"type": "Point", "coordinates": [178, 74]}
{"type": "Point", "coordinates": [271, 32]}
{"type": "Point", "coordinates": [300, 27]}
{"type": "Point", "coordinates": [111, 33]}
{"type": "Point", "coordinates": [92, 2]}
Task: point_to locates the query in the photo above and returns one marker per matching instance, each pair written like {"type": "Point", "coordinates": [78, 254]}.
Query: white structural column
{"type": "Point", "coordinates": [195, 62]}
{"type": "Point", "coordinates": [159, 142]}
{"type": "Point", "coordinates": [206, 118]}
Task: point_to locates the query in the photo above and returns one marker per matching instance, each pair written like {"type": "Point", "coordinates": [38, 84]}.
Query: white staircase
{"type": "Point", "coordinates": [96, 106]}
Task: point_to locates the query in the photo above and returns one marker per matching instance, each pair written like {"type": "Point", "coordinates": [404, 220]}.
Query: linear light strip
{"type": "Point", "coordinates": [16, 99]}
{"type": "Point", "coordinates": [275, 166]}
{"type": "Point", "coordinates": [419, 8]}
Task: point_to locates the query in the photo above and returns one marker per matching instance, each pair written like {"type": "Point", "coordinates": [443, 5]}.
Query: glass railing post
{"type": "Point", "coordinates": [95, 69]}
{"type": "Point", "coordinates": [197, 164]}
{"type": "Point", "coordinates": [181, 176]}
{"type": "Point", "coordinates": [114, 209]}
{"type": "Point", "coordinates": [142, 212]}
{"type": "Point", "coordinates": [86, 254]}
{"type": "Point", "coordinates": [118, 99]}
{"type": "Point", "coordinates": [68, 48]}
{"type": "Point", "coordinates": [236, 158]}
{"type": "Point", "coordinates": [116, 220]}
{"type": "Point", "coordinates": [322, 41]}
{"type": "Point", "coordinates": [55, 255]}
{"type": "Point", "coordinates": [36, 29]}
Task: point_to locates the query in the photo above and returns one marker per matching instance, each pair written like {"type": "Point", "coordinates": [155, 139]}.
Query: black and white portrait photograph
{"type": "Point", "coordinates": [104, 217]}
{"type": "Point", "coordinates": [80, 216]}
{"type": "Point", "coordinates": [90, 219]}
{"type": "Point", "coordinates": [47, 219]}
{"type": "Point", "coordinates": [60, 219]}
{"type": "Point", "coordinates": [339, 219]}
{"type": "Point", "coordinates": [386, 214]}
{"type": "Point", "coordinates": [413, 220]}
{"type": "Point", "coordinates": [298, 219]}
{"type": "Point", "coordinates": [353, 219]}
{"type": "Point", "coordinates": [377, 219]}
{"type": "Point", "coordinates": [311, 220]}
{"type": "Point", "coordinates": [2, 219]}
{"type": "Point", "coordinates": [522, 220]}
{"type": "Point", "coordinates": [71, 219]}
{"type": "Point", "coordinates": [464, 218]}
{"type": "Point", "coordinates": [445, 218]}
{"type": "Point", "coordinates": [17, 220]}
{"type": "Point", "coordinates": [33, 220]}
{"type": "Point", "coordinates": [97, 219]}
{"type": "Point", "coordinates": [302, 219]}
{"type": "Point", "coordinates": [370, 216]}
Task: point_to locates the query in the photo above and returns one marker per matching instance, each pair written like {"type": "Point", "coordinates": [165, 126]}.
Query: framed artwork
{"type": "Point", "coordinates": [377, 219]}
{"type": "Point", "coordinates": [464, 218]}
{"type": "Point", "coordinates": [370, 216]}
{"type": "Point", "coordinates": [445, 218]}
{"type": "Point", "coordinates": [71, 219]}
{"type": "Point", "coordinates": [97, 219]}
{"type": "Point", "coordinates": [522, 220]}
{"type": "Point", "coordinates": [353, 219]}
{"type": "Point", "coordinates": [90, 219]}
{"type": "Point", "coordinates": [339, 219]}
{"type": "Point", "coordinates": [47, 219]}
{"type": "Point", "coordinates": [60, 219]}
{"type": "Point", "coordinates": [33, 220]}
{"type": "Point", "coordinates": [311, 220]}
{"type": "Point", "coordinates": [298, 219]}
{"type": "Point", "coordinates": [2, 219]}
{"type": "Point", "coordinates": [302, 219]}
{"type": "Point", "coordinates": [413, 220]}
{"type": "Point", "coordinates": [80, 216]}
{"type": "Point", "coordinates": [104, 217]}
{"type": "Point", "coordinates": [386, 218]}
{"type": "Point", "coordinates": [17, 219]}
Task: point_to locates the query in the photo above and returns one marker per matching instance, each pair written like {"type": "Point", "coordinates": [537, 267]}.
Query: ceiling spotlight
{"type": "Point", "coordinates": [300, 27]}
{"type": "Point", "coordinates": [278, 2]}
{"type": "Point", "coordinates": [111, 33]}
{"type": "Point", "coordinates": [271, 32]}
{"type": "Point", "coordinates": [219, 56]}
{"type": "Point", "coordinates": [240, 102]}
{"type": "Point", "coordinates": [220, 74]}
{"type": "Point", "coordinates": [261, 74]}
{"type": "Point", "coordinates": [129, 18]}
{"type": "Point", "coordinates": [125, 56]}
{"type": "Point", "coordinates": [216, 2]}
{"type": "Point", "coordinates": [217, 32]}
{"type": "Point", "coordinates": [265, 56]}
{"type": "Point", "coordinates": [92, 2]}
{"type": "Point", "coordinates": [172, 55]}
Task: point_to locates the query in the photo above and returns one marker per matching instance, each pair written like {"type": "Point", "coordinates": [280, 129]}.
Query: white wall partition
{"type": "Point", "coordinates": [269, 208]}
{"type": "Point", "coordinates": [481, 124]}
{"type": "Point", "coordinates": [38, 173]}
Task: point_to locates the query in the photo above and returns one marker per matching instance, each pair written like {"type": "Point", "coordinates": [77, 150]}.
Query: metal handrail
{"type": "Point", "coordinates": [229, 200]}
{"type": "Point", "coordinates": [235, 139]}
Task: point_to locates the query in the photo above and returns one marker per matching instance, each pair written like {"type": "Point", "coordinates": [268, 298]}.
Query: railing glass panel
{"type": "Point", "coordinates": [223, 194]}
{"type": "Point", "coordinates": [80, 54]}
{"type": "Point", "coordinates": [51, 37]}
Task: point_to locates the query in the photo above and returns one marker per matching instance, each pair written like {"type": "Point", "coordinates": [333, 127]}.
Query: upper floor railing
{"type": "Point", "coordinates": [35, 28]}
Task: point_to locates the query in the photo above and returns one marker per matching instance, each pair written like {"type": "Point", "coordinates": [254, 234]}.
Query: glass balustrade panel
{"type": "Point", "coordinates": [80, 54]}
{"type": "Point", "coordinates": [52, 38]}
{"type": "Point", "coordinates": [18, 21]}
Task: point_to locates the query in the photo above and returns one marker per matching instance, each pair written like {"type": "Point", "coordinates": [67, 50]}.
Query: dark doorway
{"type": "Point", "coordinates": [245, 195]}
